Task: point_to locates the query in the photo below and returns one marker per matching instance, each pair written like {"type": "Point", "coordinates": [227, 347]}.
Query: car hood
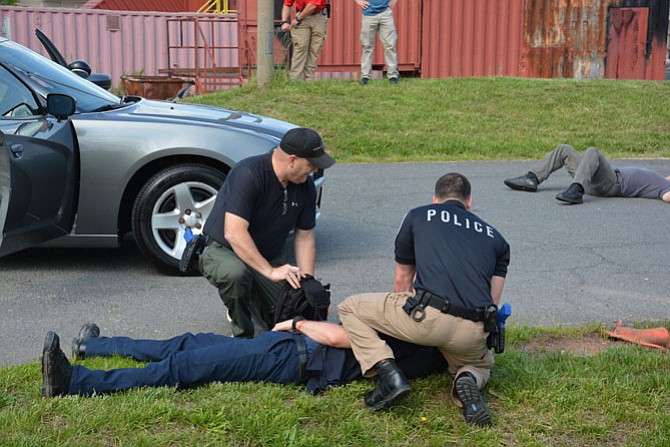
{"type": "Point", "coordinates": [173, 111]}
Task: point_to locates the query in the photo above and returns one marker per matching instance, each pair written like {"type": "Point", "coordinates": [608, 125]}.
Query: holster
{"type": "Point", "coordinates": [496, 338]}
{"type": "Point", "coordinates": [188, 264]}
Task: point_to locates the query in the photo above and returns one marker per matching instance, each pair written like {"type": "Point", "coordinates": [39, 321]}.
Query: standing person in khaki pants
{"type": "Point", "coordinates": [378, 20]}
{"type": "Point", "coordinates": [450, 272]}
{"type": "Point", "coordinates": [308, 33]}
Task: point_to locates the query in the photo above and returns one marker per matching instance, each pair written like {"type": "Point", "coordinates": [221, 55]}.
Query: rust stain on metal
{"type": "Point", "coordinates": [566, 38]}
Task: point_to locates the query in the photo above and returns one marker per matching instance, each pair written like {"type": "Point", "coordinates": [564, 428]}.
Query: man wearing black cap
{"type": "Point", "coordinates": [261, 201]}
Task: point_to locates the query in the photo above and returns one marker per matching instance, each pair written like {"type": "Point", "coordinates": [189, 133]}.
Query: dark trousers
{"type": "Point", "coordinates": [188, 360]}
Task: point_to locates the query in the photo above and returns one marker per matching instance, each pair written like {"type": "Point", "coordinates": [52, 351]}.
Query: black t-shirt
{"type": "Point", "coordinates": [455, 252]}
{"type": "Point", "coordinates": [253, 192]}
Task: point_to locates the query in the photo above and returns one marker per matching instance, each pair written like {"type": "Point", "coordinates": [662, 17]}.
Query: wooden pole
{"type": "Point", "coordinates": [265, 43]}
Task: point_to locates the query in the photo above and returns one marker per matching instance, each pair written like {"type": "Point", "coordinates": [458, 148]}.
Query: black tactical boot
{"type": "Point", "coordinates": [526, 182]}
{"type": "Point", "coordinates": [475, 410]}
{"type": "Point", "coordinates": [56, 370]}
{"type": "Point", "coordinates": [391, 386]}
{"type": "Point", "coordinates": [87, 331]}
{"type": "Point", "coordinates": [572, 195]}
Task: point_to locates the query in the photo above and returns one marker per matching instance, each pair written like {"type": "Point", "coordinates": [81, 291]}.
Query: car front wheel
{"type": "Point", "coordinates": [173, 200]}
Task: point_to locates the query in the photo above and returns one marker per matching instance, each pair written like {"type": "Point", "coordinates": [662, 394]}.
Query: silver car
{"type": "Point", "coordinates": [112, 165]}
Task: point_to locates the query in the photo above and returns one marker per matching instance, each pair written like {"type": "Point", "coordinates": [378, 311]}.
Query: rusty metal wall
{"type": "Point", "coordinates": [117, 42]}
{"type": "Point", "coordinates": [565, 38]}
{"type": "Point", "coordinates": [568, 38]}
{"type": "Point", "coordinates": [471, 38]}
{"type": "Point", "coordinates": [437, 38]}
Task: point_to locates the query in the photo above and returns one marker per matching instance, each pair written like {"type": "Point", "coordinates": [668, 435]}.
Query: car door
{"type": "Point", "coordinates": [38, 168]}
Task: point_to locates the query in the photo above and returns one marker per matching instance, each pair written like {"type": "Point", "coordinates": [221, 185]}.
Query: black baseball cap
{"type": "Point", "coordinates": [306, 143]}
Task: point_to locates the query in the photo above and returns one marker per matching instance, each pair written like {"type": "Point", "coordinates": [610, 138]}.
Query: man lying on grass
{"type": "Point", "coordinates": [299, 351]}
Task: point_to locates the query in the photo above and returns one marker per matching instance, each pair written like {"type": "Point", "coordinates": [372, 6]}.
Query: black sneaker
{"type": "Point", "coordinates": [87, 331]}
{"type": "Point", "coordinates": [573, 195]}
{"type": "Point", "coordinates": [56, 370]}
{"type": "Point", "coordinates": [393, 81]}
{"type": "Point", "coordinates": [475, 410]}
{"type": "Point", "coordinates": [364, 81]}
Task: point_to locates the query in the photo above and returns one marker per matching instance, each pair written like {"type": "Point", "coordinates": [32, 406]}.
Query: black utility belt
{"type": "Point", "coordinates": [416, 305]}
{"type": "Point", "coordinates": [301, 347]}
{"type": "Point", "coordinates": [324, 11]}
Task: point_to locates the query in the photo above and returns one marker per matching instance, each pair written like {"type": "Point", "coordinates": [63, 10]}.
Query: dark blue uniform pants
{"type": "Point", "coordinates": [189, 360]}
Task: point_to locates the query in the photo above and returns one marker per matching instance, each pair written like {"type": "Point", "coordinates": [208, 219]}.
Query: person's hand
{"type": "Point", "coordinates": [363, 3]}
{"type": "Point", "coordinates": [286, 26]}
{"type": "Point", "coordinates": [289, 273]}
{"type": "Point", "coordinates": [284, 326]}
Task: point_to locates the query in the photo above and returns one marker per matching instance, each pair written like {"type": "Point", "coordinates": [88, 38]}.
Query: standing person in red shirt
{"type": "Point", "coordinates": [308, 33]}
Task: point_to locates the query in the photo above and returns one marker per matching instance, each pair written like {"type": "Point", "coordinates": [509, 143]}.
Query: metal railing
{"type": "Point", "coordinates": [219, 6]}
{"type": "Point", "coordinates": [193, 38]}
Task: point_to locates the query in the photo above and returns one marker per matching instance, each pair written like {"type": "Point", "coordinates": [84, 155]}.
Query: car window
{"type": "Point", "coordinates": [16, 100]}
{"type": "Point", "coordinates": [45, 76]}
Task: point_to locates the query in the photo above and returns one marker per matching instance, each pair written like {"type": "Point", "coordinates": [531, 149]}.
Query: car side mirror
{"type": "Point", "coordinates": [61, 106]}
{"type": "Point", "coordinates": [101, 80]}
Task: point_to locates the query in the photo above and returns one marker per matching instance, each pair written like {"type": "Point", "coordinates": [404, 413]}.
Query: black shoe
{"type": "Point", "coordinates": [475, 410]}
{"type": "Point", "coordinates": [526, 182]}
{"type": "Point", "coordinates": [391, 386]}
{"type": "Point", "coordinates": [573, 195]}
{"type": "Point", "coordinates": [393, 81]}
{"type": "Point", "coordinates": [56, 370]}
{"type": "Point", "coordinates": [89, 330]}
{"type": "Point", "coordinates": [364, 81]}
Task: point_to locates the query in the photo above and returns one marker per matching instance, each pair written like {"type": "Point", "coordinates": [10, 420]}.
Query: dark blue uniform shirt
{"type": "Point", "coordinates": [455, 252]}
{"type": "Point", "coordinates": [253, 192]}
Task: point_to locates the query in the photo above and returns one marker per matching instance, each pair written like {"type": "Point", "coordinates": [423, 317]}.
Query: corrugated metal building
{"type": "Point", "coordinates": [437, 38]}
{"type": "Point", "coordinates": [145, 5]}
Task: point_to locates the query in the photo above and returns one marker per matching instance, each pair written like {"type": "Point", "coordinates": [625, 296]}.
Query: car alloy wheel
{"type": "Point", "coordinates": [173, 200]}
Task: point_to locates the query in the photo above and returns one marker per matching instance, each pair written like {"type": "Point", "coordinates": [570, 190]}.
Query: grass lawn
{"type": "Point", "coordinates": [468, 119]}
{"type": "Point", "coordinates": [552, 387]}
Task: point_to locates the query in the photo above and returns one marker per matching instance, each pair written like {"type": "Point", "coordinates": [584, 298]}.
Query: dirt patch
{"type": "Point", "coordinates": [587, 344]}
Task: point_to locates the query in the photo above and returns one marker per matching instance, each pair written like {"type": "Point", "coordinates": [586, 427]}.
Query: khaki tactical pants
{"type": "Point", "coordinates": [461, 342]}
{"type": "Point", "coordinates": [308, 39]}
{"type": "Point", "coordinates": [382, 25]}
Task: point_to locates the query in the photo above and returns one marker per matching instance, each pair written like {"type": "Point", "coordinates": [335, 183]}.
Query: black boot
{"type": "Point", "coordinates": [526, 182]}
{"type": "Point", "coordinates": [87, 331]}
{"type": "Point", "coordinates": [391, 386]}
{"type": "Point", "coordinates": [572, 195]}
{"type": "Point", "coordinates": [56, 370]}
{"type": "Point", "coordinates": [475, 410]}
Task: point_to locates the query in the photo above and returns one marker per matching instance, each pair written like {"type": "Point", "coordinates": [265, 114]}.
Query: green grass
{"type": "Point", "coordinates": [539, 395]}
{"type": "Point", "coordinates": [468, 118]}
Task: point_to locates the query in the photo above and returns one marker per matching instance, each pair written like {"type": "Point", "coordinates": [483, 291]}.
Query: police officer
{"type": "Point", "coordinates": [261, 201]}
{"type": "Point", "coordinates": [450, 271]}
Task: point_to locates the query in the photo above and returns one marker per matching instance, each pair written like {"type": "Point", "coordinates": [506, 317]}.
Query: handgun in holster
{"type": "Point", "coordinates": [494, 323]}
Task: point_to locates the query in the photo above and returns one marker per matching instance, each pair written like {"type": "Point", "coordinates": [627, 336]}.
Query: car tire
{"type": "Point", "coordinates": [171, 201]}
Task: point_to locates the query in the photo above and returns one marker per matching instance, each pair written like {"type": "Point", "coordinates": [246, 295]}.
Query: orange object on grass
{"type": "Point", "coordinates": [658, 338]}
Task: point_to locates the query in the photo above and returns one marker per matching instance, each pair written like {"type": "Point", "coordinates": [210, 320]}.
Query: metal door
{"type": "Point", "coordinates": [38, 169]}
{"type": "Point", "coordinates": [627, 43]}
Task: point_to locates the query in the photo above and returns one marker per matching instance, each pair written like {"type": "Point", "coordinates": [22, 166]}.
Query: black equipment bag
{"type": "Point", "coordinates": [310, 301]}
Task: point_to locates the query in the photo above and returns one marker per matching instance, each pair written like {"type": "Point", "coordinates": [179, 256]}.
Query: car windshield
{"type": "Point", "coordinates": [46, 76]}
